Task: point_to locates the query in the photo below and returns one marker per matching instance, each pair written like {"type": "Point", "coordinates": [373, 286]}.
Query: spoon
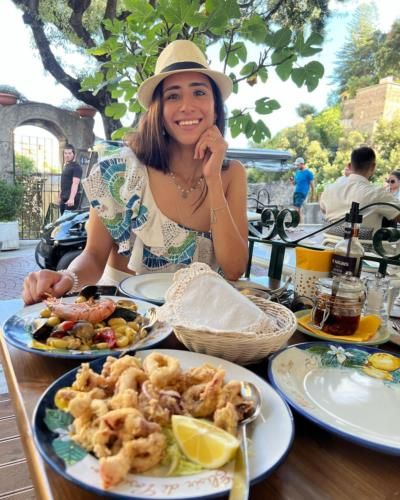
{"type": "Point", "coordinates": [241, 475]}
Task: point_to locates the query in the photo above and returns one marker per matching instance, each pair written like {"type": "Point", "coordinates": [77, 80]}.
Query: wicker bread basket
{"type": "Point", "coordinates": [240, 348]}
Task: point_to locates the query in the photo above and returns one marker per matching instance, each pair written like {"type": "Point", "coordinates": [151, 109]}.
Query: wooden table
{"type": "Point", "coordinates": [320, 465]}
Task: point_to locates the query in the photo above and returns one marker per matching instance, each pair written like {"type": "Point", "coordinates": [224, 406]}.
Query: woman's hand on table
{"type": "Point", "coordinates": [41, 283]}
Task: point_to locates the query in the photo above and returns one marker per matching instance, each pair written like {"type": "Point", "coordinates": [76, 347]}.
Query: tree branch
{"type": "Point", "coordinates": [109, 13]}
{"type": "Point", "coordinates": [78, 8]}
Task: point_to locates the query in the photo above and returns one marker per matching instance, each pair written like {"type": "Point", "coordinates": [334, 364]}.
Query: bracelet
{"type": "Point", "coordinates": [75, 280]}
{"type": "Point", "coordinates": [214, 210]}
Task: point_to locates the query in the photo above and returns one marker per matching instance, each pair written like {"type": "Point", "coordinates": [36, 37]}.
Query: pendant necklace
{"type": "Point", "coordinates": [185, 192]}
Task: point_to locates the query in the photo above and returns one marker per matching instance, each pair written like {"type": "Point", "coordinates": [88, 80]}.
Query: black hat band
{"type": "Point", "coordinates": [183, 65]}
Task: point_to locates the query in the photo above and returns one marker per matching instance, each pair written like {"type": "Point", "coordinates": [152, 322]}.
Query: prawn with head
{"type": "Point", "coordinates": [92, 310]}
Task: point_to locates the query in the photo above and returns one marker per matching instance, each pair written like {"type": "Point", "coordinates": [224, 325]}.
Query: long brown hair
{"type": "Point", "coordinates": [151, 141]}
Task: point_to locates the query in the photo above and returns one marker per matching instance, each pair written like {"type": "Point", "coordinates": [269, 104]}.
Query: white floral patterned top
{"type": "Point", "coordinates": [118, 188]}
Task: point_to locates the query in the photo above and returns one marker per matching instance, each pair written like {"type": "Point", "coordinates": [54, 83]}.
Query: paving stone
{"type": "Point", "coordinates": [13, 270]}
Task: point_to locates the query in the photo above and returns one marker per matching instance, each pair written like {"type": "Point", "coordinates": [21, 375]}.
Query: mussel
{"type": "Point", "coordinates": [123, 312]}
{"type": "Point", "coordinates": [41, 330]}
{"type": "Point", "coordinates": [95, 291]}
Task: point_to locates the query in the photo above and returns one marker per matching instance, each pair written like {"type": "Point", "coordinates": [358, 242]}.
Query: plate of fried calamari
{"type": "Point", "coordinates": [129, 427]}
{"type": "Point", "coordinates": [84, 327]}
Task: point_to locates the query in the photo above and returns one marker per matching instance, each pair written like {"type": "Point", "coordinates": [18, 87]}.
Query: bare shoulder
{"type": "Point", "coordinates": [236, 170]}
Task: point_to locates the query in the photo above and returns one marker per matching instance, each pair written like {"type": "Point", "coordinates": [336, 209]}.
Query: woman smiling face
{"type": "Point", "coordinates": [188, 106]}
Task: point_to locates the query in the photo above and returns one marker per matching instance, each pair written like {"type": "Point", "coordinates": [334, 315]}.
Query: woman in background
{"type": "Point", "coordinates": [393, 183]}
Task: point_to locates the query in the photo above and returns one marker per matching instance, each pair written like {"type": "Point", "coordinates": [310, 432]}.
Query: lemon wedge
{"type": "Point", "coordinates": [203, 442]}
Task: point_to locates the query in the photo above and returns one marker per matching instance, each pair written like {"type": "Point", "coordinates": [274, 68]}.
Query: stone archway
{"type": "Point", "coordinates": [67, 126]}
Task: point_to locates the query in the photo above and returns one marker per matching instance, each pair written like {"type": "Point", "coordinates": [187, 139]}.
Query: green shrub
{"type": "Point", "coordinates": [10, 201]}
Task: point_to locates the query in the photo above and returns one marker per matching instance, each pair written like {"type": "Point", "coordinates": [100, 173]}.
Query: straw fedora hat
{"type": "Point", "coordinates": [177, 57]}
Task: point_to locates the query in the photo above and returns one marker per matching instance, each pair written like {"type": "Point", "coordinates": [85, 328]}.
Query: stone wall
{"type": "Point", "coordinates": [281, 194]}
{"type": "Point", "coordinates": [67, 126]}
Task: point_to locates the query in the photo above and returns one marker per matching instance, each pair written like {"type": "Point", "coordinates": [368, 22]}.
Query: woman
{"type": "Point", "coordinates": [170, 198]}
{"type": "Point", "coordinates": [393, 182]}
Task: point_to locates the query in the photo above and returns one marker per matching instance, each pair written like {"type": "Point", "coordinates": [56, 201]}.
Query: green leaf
{"type": "Point", "coordinates": [178, 11]}
{"type": "Point", "coordinates": [241, 51]}
{"type": "Point", "coordinates": [280, 56]}
{"type": "Point", "coordinates": [298, 76]}
{"type": "Point", "coordinates": [249, 128]}
{"type": "Point", "coordinates": [299, 43]}
{"type": "Point", "coordinates": [284, 70]}
{"type": "Point", "coordinates": [142, 11]}
{"type": "Point", "coordinates": [248, 68]}
{"type": "Point", "coordinates": [68, 451]}
{"type": "Point", "coordinates": [266, 106]}
{"type": "Point", "coordinates": [115, 110]}
{"type": "Point", "coordinates": [315, 68]}
{"type": "Point", "coordinates": [57, 419]}
{"type": "Point", "coordinates": [313, 72]}
{"type": "Point", "coordinates": [281, 38]}
{"type": "Point", "coordinates": [93, 81]}
{"type": "Point", "coordinates": [261, 132]}
{"type": "Point", "coordinates": [121, 132]}
{"type": "Point", "coordinates": [254, 29]}
{"type": "Point", "coordinates": [235, 88]}
{"type": "Point", "coordinates": [238, 122]}
{"type": "Point", "coordinates": [263, 74]}
{"type": "Point", "coordinates": [314, 39]}
{"type": "Point", "coordinates": [222, 52]}
{"type": "Point", "coordinates": [98, 51]}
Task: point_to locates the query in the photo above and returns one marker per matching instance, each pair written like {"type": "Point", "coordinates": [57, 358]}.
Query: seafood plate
{"type": "Point", "coordinates": [105, 426]}
{"type": "Point", "coordinates": [84, 327]}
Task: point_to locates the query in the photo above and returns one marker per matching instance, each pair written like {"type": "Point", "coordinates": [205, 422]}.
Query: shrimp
{"type": "Point", "coordinates": [87, 380]}
{"type": "Point", "coordinates": [137, 455]}
{"type": "Point", "coordinates": [201, 400]}
{"type": "Point", "coordinates": [227, 418]}
{"type": "Point", "coordinates": [162, 370]}
{"type": "Point", "coordinates": [92, 310]}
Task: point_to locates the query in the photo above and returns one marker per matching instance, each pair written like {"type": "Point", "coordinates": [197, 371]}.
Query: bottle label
{"type": "Point", "coordinates": [342, 264]}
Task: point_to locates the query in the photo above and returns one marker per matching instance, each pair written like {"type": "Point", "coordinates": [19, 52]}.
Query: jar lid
{"type": "Point", "coordinates": [347, 285]}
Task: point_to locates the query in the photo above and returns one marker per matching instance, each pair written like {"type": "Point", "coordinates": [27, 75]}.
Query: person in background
{"type": "Point", "coordinates": [170, 198]}
{"type": "Point", "coordinates": [70, 179]}
{"type": "Point", "coordinates": [393, 183]}
{"type": "Point", "coordinates": [347, 170]}
{"type": "Point", "coordinates": [303, 181]}
{"type": "Point", "coordinates": [336, 199]}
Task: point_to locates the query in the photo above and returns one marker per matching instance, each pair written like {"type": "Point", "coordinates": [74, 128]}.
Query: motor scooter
{"type": "Point", "coordinates": [62, 240]}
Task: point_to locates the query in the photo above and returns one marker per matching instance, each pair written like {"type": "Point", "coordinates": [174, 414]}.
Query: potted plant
{"type": "Point", "coordinates": [9, 95]}
{"type": "Point", "coordinates": [86, 111]}
{"type": "Point", "coordinates": [10, 205]}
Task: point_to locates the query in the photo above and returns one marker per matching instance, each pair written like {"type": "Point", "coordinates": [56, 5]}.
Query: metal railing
{"type": "Point", "coordinates": [275, 222]}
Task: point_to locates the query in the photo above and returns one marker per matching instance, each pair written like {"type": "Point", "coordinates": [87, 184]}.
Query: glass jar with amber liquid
{"type": "Point", "coordinates": [338, 304]}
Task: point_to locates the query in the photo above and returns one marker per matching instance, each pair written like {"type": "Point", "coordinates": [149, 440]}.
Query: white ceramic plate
{"type": "Point", "coordinates": [151, 287]}
{"type": "Point", "coordinates": [271, 436]}
{"type": "Point", "coordinates": [17, 332]}
{"type": "Point", "coordinates": [381, 336]}
{"type": "Point", "coordinates": [346, 389]}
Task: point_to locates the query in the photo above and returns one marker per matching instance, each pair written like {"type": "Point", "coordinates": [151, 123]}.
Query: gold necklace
{"type": "Point", "coordinates": [185, 192]}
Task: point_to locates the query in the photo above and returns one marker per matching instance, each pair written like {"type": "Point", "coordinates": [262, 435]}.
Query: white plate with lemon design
{"type": "Point", "coordinates": [271, 436]}
{"type": "Point", "coordinates": [350, 390]}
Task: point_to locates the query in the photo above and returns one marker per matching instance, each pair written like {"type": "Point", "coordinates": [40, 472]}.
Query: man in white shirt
{"type": "Point", "coordinates": [336, 200]}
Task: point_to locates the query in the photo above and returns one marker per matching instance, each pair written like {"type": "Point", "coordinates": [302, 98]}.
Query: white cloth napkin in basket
{"type": "Point", "coordinates": [201, 299]}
